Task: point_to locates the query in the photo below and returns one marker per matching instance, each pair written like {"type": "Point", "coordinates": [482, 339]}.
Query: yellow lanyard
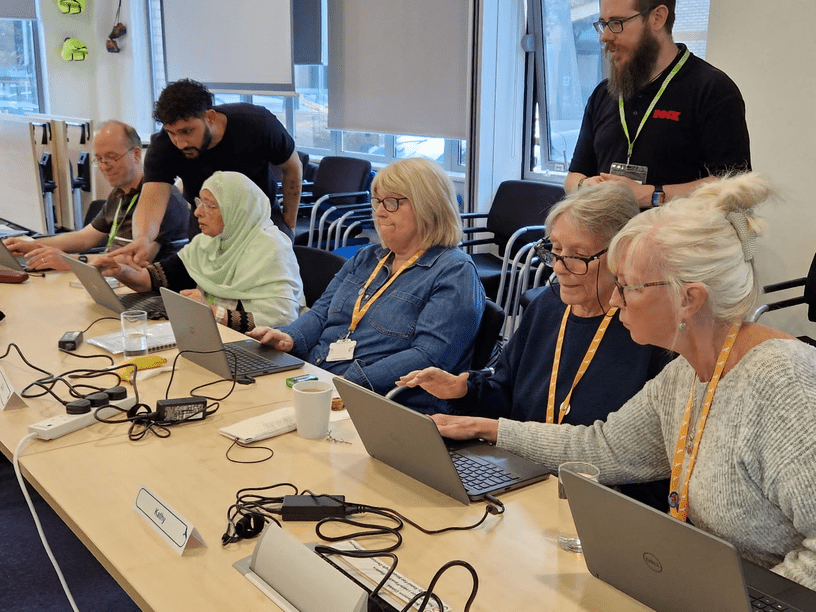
{"type": "Point", "coordinates": [648, 112]}
{"type": "Point", "coordinates": [593, 348]}
{"type": "Point", "coordinates": [115, 226]}
{"type": "Point", "coordinates": [358, 312]}
{"type": "Point", "coordinates": [678, 503]}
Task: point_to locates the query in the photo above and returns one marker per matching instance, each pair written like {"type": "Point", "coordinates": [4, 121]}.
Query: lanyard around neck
{"type": "Point", "coordinates": [359, 311]}
{"type": "Point", "coordinates": [648, 112]}
{"type": "Point", "coordinates": [593, 348]}
{"type": "Point", "coordinates": [115, 226]}
{"type": "Point", "coordinates": [678, 503]}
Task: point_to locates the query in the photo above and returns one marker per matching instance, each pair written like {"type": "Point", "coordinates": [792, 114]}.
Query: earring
{"type": "Point", "coordinates": [682, 326]}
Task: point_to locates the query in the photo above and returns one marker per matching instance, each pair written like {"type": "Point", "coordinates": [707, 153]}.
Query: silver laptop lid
{"type": "Point", "coordinates": [8, 260]}
{"type": "Point", "coordinates": [668, 565]}
{"type": "Point", "coordinates": [95, 284]}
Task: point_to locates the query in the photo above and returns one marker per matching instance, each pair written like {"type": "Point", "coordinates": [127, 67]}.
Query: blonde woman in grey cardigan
{"type": "Point", "coordinates": [732, 421]}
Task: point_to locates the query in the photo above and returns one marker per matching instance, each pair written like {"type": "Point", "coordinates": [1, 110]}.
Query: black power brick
{"type": "Point", "coordinates": [184, 409]}
{"type": "Point", "coordinates": [312, 507]}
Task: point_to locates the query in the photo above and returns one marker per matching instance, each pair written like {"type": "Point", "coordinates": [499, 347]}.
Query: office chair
{"type": "Point", "coordinates": [808, 297]}
{"type": "Point", "coordinates": [516, 218]}
{"type": "Point", "coordinates": [488, 342]}
{"type": "Point", "coordinates": [317, 269]}
{"type": "Point", "coordinates": [93, 209]}
{"type": "Point", "coordinates": [341, 184]}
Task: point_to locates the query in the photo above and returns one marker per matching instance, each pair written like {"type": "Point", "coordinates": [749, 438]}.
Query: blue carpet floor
{"type": "Point", "coordinates": [27, 578]}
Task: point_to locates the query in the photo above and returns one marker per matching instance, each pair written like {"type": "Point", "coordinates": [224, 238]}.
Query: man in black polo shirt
{"type": "Point", "coordinates": [198, 138]}
{"type": "Point", "coordinates": [684, 119]}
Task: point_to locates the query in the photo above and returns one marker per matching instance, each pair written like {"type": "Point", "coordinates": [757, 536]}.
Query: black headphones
{"type": "Point", "coordinates": [247, 527]}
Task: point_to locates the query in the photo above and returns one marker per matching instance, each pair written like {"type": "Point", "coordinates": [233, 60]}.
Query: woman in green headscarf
{"type": "Point", "coordinates": [240, 264]}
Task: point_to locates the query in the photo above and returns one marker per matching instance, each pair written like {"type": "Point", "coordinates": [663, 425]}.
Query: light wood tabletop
{"type": "Point", "coordinates": [91, 478]}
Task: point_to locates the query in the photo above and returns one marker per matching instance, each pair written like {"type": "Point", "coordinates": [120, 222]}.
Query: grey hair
{"type": "Point", "coordinates": [600, 210]}
{"type": "Point", "coordinates": [692, 240]}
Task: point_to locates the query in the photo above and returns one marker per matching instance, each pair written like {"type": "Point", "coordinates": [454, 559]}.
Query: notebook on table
{"type": "Point", "coordinates": [102, 293]}
{"type": "Point", "coordinates": [669, 565]}
{"type": "Point", "coordinates": [195, 329]}
{"type": "Point", "coordinates": [18, 262]}
{"type": "Point", "coordinates": [410, 442]}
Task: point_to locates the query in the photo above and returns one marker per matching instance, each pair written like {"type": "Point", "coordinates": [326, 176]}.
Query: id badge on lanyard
{"type": "Point", "coordinates": [341, 350]}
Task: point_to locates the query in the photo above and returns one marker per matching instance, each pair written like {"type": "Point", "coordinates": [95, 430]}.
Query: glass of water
{"type": "Point", "coordinates": [567, 534]}
{"type": "Point", "coordinates": [134, 332]}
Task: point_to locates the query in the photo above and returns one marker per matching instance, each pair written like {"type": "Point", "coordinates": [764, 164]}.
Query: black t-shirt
{"type": "Point", "coordinates": [253, 139]}
{"type": "Point", "coordinates": [696, 129]}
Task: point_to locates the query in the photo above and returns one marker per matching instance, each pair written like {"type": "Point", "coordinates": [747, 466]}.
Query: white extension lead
{"type": "Point", "coordinates": [37, 520]}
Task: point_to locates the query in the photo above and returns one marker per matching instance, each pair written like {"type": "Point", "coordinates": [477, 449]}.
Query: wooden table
{"type": "Point", "coordinates": [91, 478]}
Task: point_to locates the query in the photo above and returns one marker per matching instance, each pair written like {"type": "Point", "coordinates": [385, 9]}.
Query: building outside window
{"type": "Point", "coordinates": [20, 80]}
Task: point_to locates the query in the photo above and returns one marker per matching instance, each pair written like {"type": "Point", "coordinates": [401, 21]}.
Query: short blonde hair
{"type": "Point", "coordinates": [432, 195]}
{"type": "Point", "coordinates": [599, 210]}
{"type": "Point", "coordinates": [692, 240]}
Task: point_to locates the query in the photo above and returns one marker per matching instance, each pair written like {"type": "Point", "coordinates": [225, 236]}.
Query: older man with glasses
{"type": "Point", "coordinates": [665, 120]}
{"type": "Point", "coordinates": [118, 155]}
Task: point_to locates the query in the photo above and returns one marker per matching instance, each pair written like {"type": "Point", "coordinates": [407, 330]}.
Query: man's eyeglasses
{"type": "Point", "coordinates": [201, 203]}
{"type": "Point", "coordinates": [109, 161]}
{"type": "Point", "coordinates": [573, 263]}
{"type": "Point", "coordinates": [622, 288]}
{"type": "Point", "coordinates": [390, 204]}
{"type": "Point", "coordinates": [616, 25]}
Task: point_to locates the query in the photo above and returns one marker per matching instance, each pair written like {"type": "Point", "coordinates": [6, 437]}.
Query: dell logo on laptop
{"type": "Point", "coordinates": [652, 562]}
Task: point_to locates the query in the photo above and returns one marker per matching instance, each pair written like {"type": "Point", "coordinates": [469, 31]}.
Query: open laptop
{"type": "Point", "coordinates": [102, 293]}
{"type": "Point", "coordinates": [12, 262]}
{"type": "Point", "coordinates": [410, 442]}
{"type": "Point", "coordinates": [670, 566]}
{"type": "Point", "coordinates": [195, 329]}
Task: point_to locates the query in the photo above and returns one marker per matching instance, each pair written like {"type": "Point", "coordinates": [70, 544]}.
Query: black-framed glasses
{"type": "Point", "coordinates": [616, 25]}
{"type": "Point", "coordinates": [390, 204]}
{"type": "Point", "coordinates": [108, 161]}
{"type": "Point", "coordinates": [573, 263]}
{"type": "Point", "coordinates": [622, 288]}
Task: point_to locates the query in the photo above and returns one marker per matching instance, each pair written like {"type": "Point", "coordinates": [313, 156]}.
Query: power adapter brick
{"type": "Point", "coordinates": [312, 507]}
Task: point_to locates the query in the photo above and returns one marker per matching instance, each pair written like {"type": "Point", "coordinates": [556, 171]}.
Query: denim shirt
{"type": "Point", "coordinates": [429, 316]}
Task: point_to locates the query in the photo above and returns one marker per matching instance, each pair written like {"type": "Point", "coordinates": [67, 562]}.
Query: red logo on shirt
{"type": "Point", "coordinates": [661, 114]}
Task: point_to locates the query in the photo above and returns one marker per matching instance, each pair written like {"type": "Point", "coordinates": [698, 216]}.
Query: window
{"type": "Point", "coordinates": [572, 68]}
{"type": "Point", "coordinates": [306, 116]}
{"type": "Point", "coordinates": [20, 86]}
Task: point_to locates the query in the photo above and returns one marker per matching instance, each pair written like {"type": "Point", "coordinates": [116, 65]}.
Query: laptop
{"type": "Point", "coordinates": [670, 566]}
{"type": "Point", "coordinates": [410, 442]}
{"type": "Point", "coordinates": [18, 262]}
{"type": "Point", "coordinates": [195, 329]}
{"type": "Point", "coordinates": [102, 293]}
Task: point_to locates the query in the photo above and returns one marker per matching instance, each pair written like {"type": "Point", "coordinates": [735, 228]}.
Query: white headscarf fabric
{"type": "Point", "coordinates": [251, 260]}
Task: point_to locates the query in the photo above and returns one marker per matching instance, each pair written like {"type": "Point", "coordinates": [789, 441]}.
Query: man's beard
{"type": "Point", "coordinates": [194, 152]}
{"type": "Point", "coordinates": [630, 77]}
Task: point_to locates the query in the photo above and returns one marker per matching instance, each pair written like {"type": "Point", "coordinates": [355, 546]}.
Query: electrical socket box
{"type": "Point", "coordinates": [62, 424]}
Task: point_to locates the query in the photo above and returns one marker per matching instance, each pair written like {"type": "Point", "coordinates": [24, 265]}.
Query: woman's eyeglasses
{"type": "Point", "coordinates": [208, 207]}
{"type": "Point", "coordinates": [390, 204]}
{"type": "Point", "coordinates": [622, 288]}
{"type": "Point", "coordinates": [573, 263]}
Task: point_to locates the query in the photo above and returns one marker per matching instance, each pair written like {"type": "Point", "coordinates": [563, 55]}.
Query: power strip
{"type": "Point", "coordinates": [62, 424]}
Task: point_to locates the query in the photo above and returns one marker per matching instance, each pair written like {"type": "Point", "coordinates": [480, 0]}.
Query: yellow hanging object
{"type": "Point", "coordinates": [143, 362]}
{"type": "Point", "coordinates": [74, 50]}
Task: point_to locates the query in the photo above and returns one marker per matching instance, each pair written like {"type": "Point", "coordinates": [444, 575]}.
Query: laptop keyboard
{"type": "Point", "coordinates": [245, 361]}
{"type": "Point", "coordinates": [477, 475]}
{"type": "Point", "coordinates": [144, 301]}
{"type": "Point", "coordinates": [760, 601]}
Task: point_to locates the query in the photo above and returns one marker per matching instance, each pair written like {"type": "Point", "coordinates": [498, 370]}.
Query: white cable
{"type": "Point", "coordinates": [16, 462]}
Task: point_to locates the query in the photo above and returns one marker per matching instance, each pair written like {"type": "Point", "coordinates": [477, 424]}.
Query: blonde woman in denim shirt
{"type": "Point", "coordinates": [412, 302]}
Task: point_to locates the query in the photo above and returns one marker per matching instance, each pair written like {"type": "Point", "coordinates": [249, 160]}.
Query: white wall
{"type": "Point", "coordinates": [768, 49]}
{"type": "Point", "coordinates": [104, 85]}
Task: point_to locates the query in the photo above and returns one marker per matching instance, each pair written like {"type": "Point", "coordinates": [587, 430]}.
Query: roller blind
{"type": "Point", "coordinates": [237, 46]}
{"type": "Point", "coordinates": [18, 9]}
{"type": "Point", "coordinates": [399, 66]}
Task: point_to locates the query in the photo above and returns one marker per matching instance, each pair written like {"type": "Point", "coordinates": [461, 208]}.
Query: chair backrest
{"type": "Point", "coordinates": [317, 269]}
{"type": "Point", "coordinates": [488, 336]}
{"type": "Point", "coordinates": [337, 174]}
{"type": "Point", "coordinates": [93, 209]}
{"type": "Point", "coordinates": [810, 290]}
{"type": "Point", "coordinates": [518, 204]}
